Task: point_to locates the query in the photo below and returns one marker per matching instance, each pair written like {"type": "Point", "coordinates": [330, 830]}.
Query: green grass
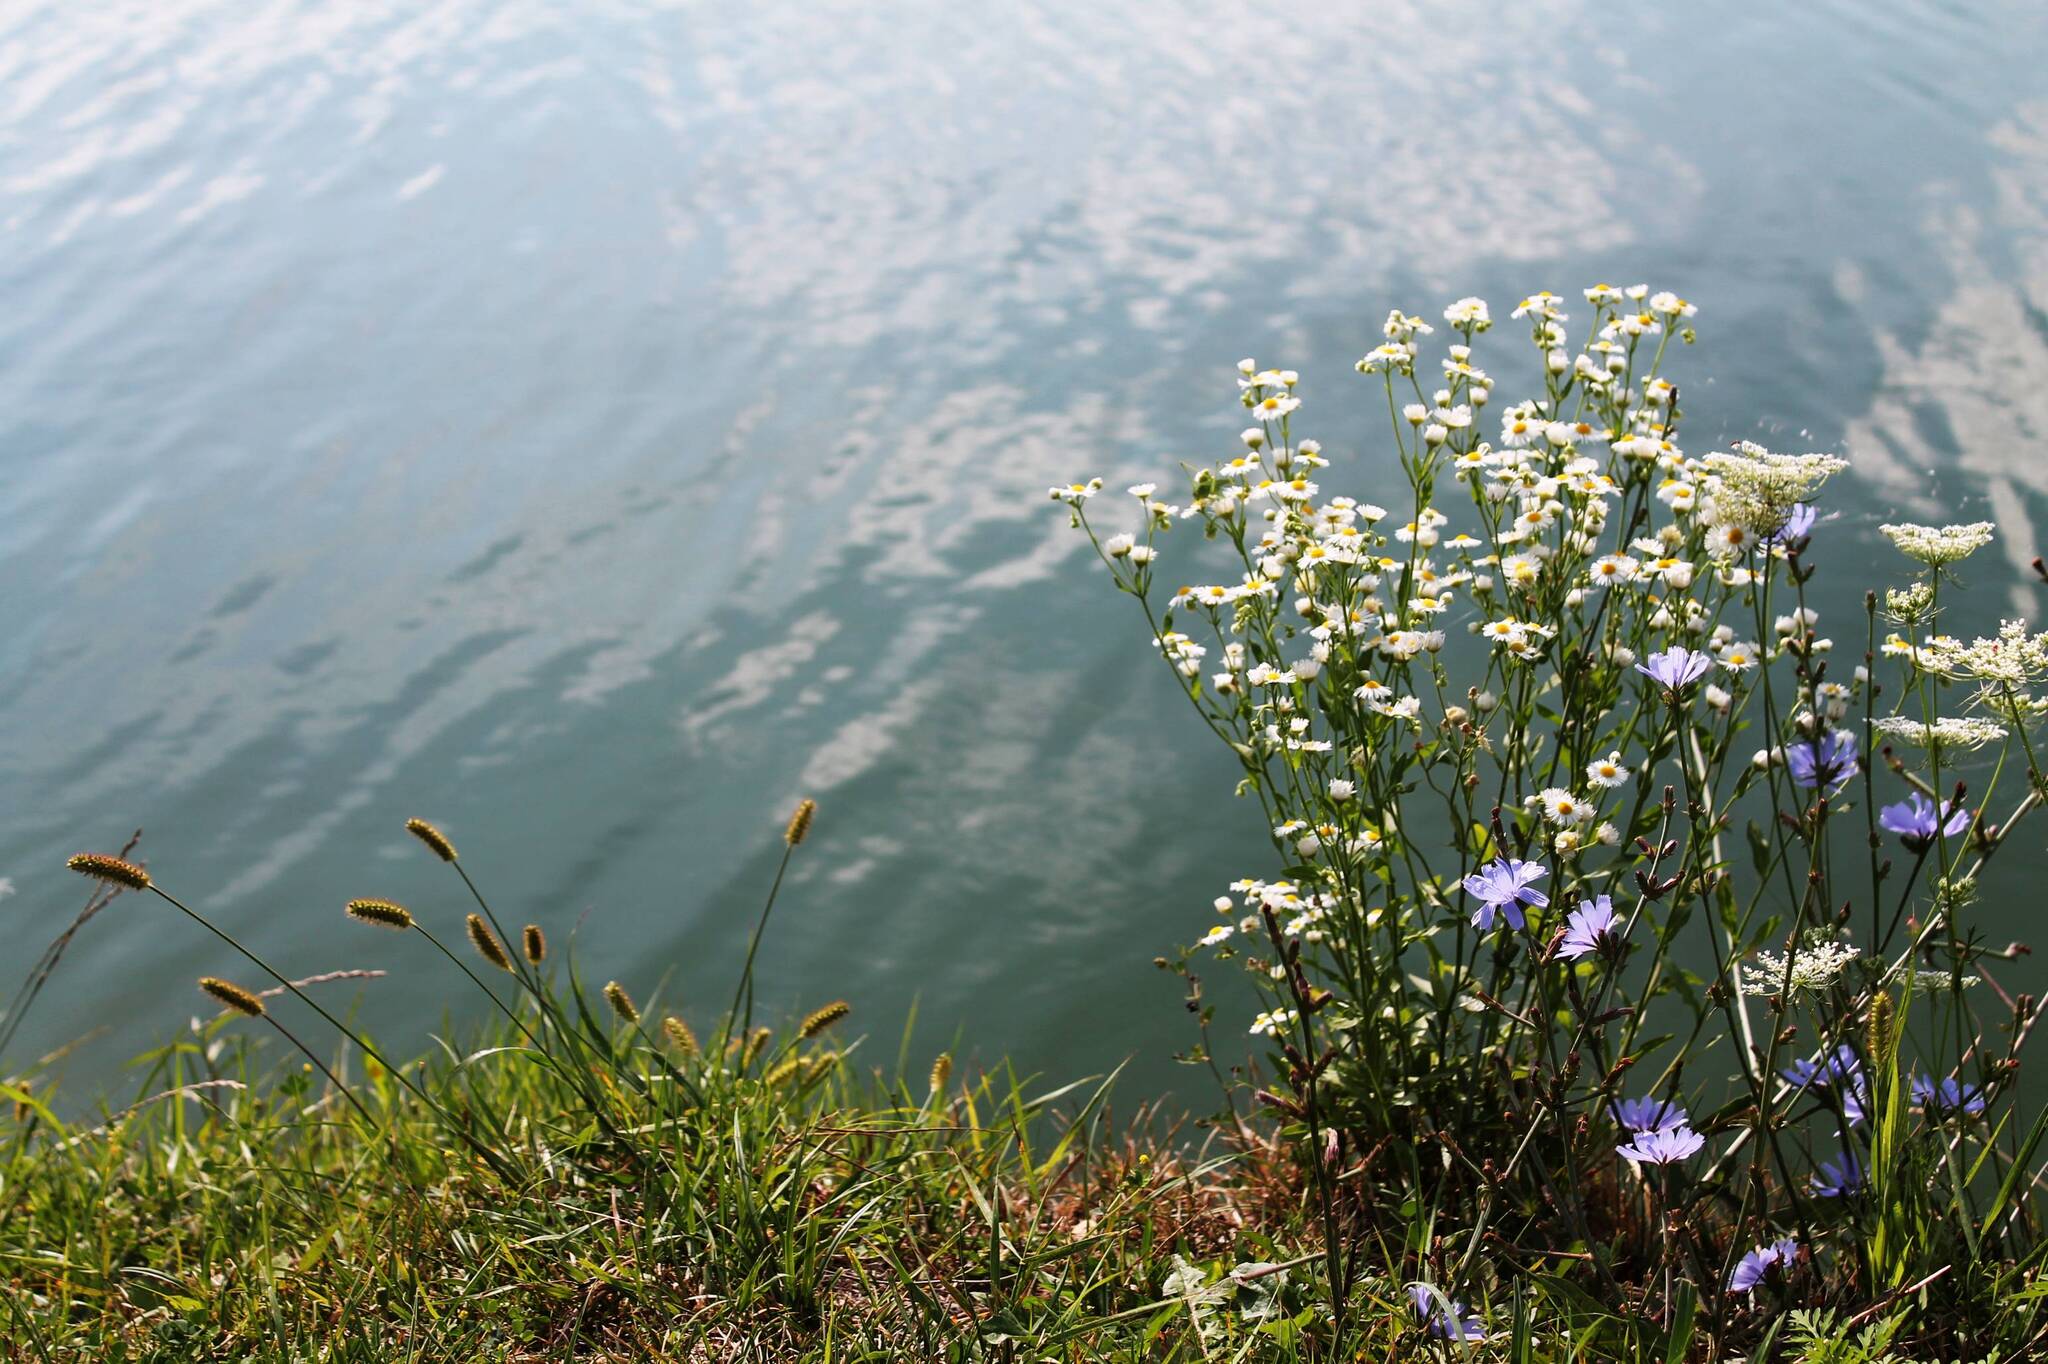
{"type": "Point", "coordinates": [827, 1214]}
{"type": "Point", "coordinates": [573, 1181]}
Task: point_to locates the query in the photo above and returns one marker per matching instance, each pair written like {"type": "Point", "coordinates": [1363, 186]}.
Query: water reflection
{"type": "Point", "coordinates": [595, 426]}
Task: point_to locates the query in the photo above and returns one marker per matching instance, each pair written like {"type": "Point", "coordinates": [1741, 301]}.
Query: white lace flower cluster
{"type": "Point", "coordinates": [1810, 968]}
{"type": "Point", "coordinates": [1938, 546]}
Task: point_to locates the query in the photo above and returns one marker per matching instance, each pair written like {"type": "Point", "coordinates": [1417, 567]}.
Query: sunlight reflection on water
{"type": "Point", "coordinates": [595, 426]}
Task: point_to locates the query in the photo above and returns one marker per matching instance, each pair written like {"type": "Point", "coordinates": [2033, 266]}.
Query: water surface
{"type": "Point", "coordinates": [595, 426]}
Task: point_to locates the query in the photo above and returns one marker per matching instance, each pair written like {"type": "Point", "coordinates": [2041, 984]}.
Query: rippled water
{"type": "Point", "coordinates": [594, 426]}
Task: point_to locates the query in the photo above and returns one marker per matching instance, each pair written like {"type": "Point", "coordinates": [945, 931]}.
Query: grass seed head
{"type": "Point", "coordinates": [824, 1018]}
{"type": "Point", "coordinates": [536, 945]}
{"type": "Point", "coordinates": [432, 837]}
{"type": "Point", "coordinates": [621, 1002]}
{"type": "Point", "coordinates": [680, 1035]}
{"type": "Point", "coordinates": [486, 943]}
{"type": "Point", "coordinates": [381, 912]}
{"type": "Point", "coordinates": [800, 822]}
{"type": "Point", "coordinates": [115, 870]}
{"type": "Point", "coordinates": [232, 995]}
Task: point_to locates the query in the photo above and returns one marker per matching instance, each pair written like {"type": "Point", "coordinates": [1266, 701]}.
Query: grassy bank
{"type": "Point", "coordinates": [791, 1207]}
{"type": "Point", "coordinates": [580, 1178]}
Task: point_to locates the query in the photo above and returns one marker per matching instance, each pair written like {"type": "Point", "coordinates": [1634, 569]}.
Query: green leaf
{"type": "Point", "coordinates": [1682, 1317]}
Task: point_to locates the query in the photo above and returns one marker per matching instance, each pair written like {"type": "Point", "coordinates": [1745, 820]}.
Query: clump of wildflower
{"type": "Point", "coordinates": [1773, 1259]}
{"type": "Point", "coordinates": [1938, 546]}
{"type": "Point", "coordinates": [1505, 885]}
{"type": "Point", "coordinates": [1811, 968]}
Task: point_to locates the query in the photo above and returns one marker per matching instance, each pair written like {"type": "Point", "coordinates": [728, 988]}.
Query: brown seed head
{"type": "Point", "coordinates": [536, 945]}
{"type": "Point", "coordinates": [824, 1018]}
{"type": "Point", "coordinates": [486, 943]}
{"type": "Point", "coordinates": [800, 822]}
{"type": "Point", "coordinates": [621, 1002]}
{"type": "Point", "coordinates": [942, 1072]}
{"type": "Point", "coordinates": [101, 867]}
{"type": "Point", "coordinates": [432, 837]}
{"type": "Point", "coordinates": [679, 1033]}
{"type": "Point", "coordinates": [380, 912]}
{"type": "Point", "coordinates": [233, 996]}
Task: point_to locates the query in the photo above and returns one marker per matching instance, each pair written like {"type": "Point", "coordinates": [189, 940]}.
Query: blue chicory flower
{"type": "Point", "coordinates": [1797, 529]}
{"type": "Point", "coordinates": [1662, 1146]}
{"type": "Point", "coordinates": [1458, 1324]}
{"type": "Point", "coordinates": [1839, 1178]}
{"type": "Point", "coordinates": [1593, 923]}
{"type": "Point", "coordinates": [1915, 822]}
{"type": "Point", "coordinates": [1842, 1065]}
{"type": "Point", "coordinates": [1824, 764]}
{"type": "Point", "coordinates": [1650, 1114]}
{"type": "Point", "coordinates": [1751, 1269]}
{"type": "Point", "coordinates": [1842, 1072]}
{"type": "Point", "coordinates": [1503, 884]}
{"type": "Point", "coordinates": [1946, 1097]}
{"type": "Point", "coordinates": [1676, 667]}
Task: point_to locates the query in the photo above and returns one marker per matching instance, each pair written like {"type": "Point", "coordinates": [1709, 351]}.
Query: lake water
{"type": "Point", "coordinates": [594, 426]}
